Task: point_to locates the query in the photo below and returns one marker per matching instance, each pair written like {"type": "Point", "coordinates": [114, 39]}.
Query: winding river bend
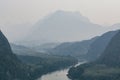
{"type": "Point", "coordinates": [58, 75]}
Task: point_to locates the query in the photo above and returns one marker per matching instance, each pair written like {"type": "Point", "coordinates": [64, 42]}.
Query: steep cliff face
{"type": "Point", "coordinates": [111, 55]}
{"type": "Point", "coordinates": [99, 45]}
{"type": "Point", "coordinates": [10, 67]}
{"type": "Point", "coordinates": [4, 45]}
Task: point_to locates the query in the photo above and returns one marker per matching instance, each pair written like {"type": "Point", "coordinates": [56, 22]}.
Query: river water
{"type": "Point", "coordinates": [58, 75]}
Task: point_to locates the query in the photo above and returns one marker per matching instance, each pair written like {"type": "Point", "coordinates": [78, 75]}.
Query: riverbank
{"type": "Point", "coordinates": [42, 65]}
{"type": "Point", "coordinates": [58, 75]}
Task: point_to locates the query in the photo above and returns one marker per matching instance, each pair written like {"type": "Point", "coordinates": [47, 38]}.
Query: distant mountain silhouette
{"type": "Point", "coordinates": [22, 50]}
{"type": "Point", "coordinates": [44, 48]}
{"type": "Point", "coordinates": [75, 49]}
{"type": "Point", "coordinates": [63, 26]}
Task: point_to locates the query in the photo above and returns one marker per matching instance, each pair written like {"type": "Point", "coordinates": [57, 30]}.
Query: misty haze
{"type": "Point", "coordinates": [59, 40]}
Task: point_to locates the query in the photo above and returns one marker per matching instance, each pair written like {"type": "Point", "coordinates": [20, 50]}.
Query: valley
{"type": "Point", "coordinates": [63, 45]}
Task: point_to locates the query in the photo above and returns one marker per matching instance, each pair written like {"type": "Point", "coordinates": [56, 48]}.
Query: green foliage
{"type": "Point", "coordinates": [75, 72]}
{"type": "Point", "coordinates": [107, 67]}
{"type": "Point", "coordinates": [46, 64]}
{"type": "Point", "coordinates": [10, 67]}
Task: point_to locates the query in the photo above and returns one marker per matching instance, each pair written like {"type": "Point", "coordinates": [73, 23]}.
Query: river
{"type": "Point", "coordinates": [58, 75]}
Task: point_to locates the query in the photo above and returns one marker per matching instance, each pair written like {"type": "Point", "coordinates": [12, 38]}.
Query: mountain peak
{"type": "Point", "coordinates": [76, 14]}
{"type": "Point", "coordinates": [67, 12]}
{"type": "Point", "coordinates": [4, 43]}
{"type": "Point", "coordinates": [62, 26]}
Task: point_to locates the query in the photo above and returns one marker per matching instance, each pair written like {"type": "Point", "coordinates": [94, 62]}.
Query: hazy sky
{"type": "Point", "coordinates": [26, 11]}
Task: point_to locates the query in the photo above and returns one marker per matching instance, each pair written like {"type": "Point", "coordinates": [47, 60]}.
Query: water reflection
{"type": "Point", "coordinates": [58, 75]}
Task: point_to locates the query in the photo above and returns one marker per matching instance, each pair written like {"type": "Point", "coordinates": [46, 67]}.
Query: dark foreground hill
{"type": "Point", "coordinates": [107, 67]}
{"type": "Point", "coordinates": [10, 67]}
{"type": "Point", "coordinates": [30, 67]}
